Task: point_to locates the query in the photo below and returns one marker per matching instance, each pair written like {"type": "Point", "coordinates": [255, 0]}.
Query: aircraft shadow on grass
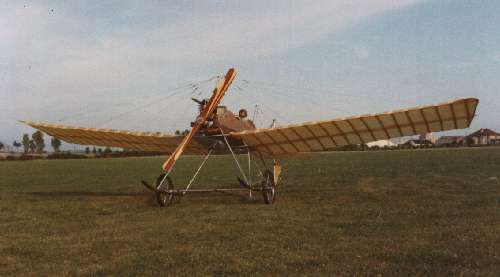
{"type": "Point", "coordinates": [234, 198]}
{"type": "Point", "coordinates": [85, 193]}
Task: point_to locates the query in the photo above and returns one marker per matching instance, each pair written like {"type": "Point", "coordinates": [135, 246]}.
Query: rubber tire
{"type": "Point", "coordinates": [268, 187]}
{"type": "Point", "coordinates": [162, 196]}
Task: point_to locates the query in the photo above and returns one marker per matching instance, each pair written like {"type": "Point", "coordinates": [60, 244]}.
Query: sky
{"type": "Point", "coordinates": [134, 65]}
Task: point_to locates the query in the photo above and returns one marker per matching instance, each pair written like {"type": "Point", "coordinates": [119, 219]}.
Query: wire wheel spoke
{"type": "Point", "coordinates": [164, 193]}
{"type": "Point", "coordinates": [268, 187]}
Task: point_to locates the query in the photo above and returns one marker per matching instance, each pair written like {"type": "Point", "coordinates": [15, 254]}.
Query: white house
{"type": "Point", "coordinates": [385, 143]}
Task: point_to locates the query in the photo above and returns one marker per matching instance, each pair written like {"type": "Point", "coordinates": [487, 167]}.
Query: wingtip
{"type": "Point", "coordinates": [29, 123]}
{"type": "Point", "coordinates": [472, 99]}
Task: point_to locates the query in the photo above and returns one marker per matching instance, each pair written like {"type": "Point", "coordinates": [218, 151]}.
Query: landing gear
{"type": "Point", "coordinates": [268, 187]}
{"type": "Point", "coordinates": [164, 194]}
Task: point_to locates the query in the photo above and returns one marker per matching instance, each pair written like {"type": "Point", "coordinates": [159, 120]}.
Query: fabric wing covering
{"type": "Point", "coordinates": [307, 137]}
{"type": "Point", "coordinates": [330, 134]}
{"type": "Point", "coordinates": [142, 141]}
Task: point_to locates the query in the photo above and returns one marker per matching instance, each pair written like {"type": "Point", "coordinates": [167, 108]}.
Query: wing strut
{"type": "Point", "coordinates": [211, 105]}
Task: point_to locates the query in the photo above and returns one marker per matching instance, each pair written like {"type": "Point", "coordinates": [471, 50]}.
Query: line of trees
{"type": "Point", "coordinates": [181, 133]}
{"type": "Point", "coordinates": [107, 150]}
{"type": "Point", "coordinates": [36, 143]}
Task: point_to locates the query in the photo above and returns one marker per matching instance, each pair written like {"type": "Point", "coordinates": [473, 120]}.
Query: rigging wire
{"type": "Point", "coordinates": [149, 104]}
{"type": "Point", "coordinates": [198, 88]}
{"type": "Point", "coordinates": [305, 89]}
{"type": "Point", "coordinates": [85, 113]}
{"type": "Point", "coordinates": [285, 97]}
{"type": "Point", "coordinates": [309, 90]}
{"type": "Point", "coordinates": [175, 91]}
{"type": "Point", "coordinates": [237, 99]}
{"type": "Point", "coordinates": [310, 100]}
{"type": "Point", "coordinates": [157, 114]}
{"type": "Point", "coordinates": [278, 91]}
{"type": "Point", "coordinates": [255, 111]}
{"type": "Point", "coordinates": [247, 93]}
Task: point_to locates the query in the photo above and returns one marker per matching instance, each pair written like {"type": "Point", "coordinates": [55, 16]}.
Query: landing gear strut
{"type": "Point", "coordinates": [165, 192]}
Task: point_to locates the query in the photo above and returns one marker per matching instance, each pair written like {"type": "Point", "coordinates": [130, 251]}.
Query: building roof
{"type": "Point", "coordinates": [484, 132]}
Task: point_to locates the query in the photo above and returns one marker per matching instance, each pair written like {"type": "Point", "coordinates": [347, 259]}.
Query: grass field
{"type": "Point", "coordinates": [428, 212]}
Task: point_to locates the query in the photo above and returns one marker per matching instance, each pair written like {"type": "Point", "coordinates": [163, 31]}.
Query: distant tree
{"type": "Point", "coordinates": [94, 151]}
{"type": "Point", "coordinates": [1, 145]}
{"type": "Point", "coordinates": [99, 150]}
{"type": "Point", "coordinates": [87, 150]}
{"type": "Point", "coordinates": [32, 146]}
{"type": "Point", "coordinates": [39, 142]}
{"type": "Point", "coordinates": [177, 132]}
{"type": "Point", "coordinates": [107, 150]}
{"type": "Point", "coordinates": [56, 144]}
{"type": "Point", "coordinates": [26, 143]}
{"type": "Point", "coordinates": [16, 145]}
{"type": "Point", "coordinates": [185, 132]}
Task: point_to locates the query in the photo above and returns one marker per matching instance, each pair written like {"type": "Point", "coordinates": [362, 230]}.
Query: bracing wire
{"type": "Point", "coordinates": [149, 104]}
{"type": "Point", "coordinates": [333, 92]}
{"type": "Point", "coordinates": [85, 113]}
{"type": "Point", "coordinates": [194, 86]}
{"type": "Point", "coordinates": [247, 93]}
{"type": "Point", "coordinates": [306, 89]}
{"type": "Point", "coordinates": [286, 95]}
{"type": "Point", "coordinates": [196, 89]}
{"type": "Point", "coordinates": [157, 115]}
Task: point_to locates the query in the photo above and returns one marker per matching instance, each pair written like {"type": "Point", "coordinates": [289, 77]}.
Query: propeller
{"type": "Point", "coordinates": [201, 103]}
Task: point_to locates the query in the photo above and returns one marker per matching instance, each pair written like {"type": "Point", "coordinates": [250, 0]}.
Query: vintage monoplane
{"type": "Point", "coordinates": [218, 129]}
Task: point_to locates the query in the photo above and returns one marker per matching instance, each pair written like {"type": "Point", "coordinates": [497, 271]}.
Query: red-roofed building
{"type": "Point", "coordinates": [484, 137]}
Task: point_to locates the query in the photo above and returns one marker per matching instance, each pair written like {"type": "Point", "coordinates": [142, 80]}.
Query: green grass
{"type": "Point", "coordinates": [432, 212]}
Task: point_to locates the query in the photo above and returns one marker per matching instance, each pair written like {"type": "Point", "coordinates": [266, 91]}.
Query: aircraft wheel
{"type": "Point", "coordinates": [268, 187]}
{"type": "Point", "coordinates": [163, 197]}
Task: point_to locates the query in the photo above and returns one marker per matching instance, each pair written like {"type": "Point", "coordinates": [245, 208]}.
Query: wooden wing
{"type": "Point", "coordinates": [141, 141]}
{"type": "Point", "coordinates": [330, 134]}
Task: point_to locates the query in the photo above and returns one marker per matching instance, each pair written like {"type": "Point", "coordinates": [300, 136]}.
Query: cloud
{"type": "Point", "coordinates": [47, 39]}
{"type": "Point", "coordinates": [62, 55]}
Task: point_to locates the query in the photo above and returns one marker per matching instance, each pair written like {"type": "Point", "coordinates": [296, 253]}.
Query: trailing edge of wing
{"type": "Point", "coordinates": [141, 141]}
{"type": "Point", "coordinates": [329, 134]}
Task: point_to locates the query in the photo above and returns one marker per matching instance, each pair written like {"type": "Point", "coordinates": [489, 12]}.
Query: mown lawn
{"type": "Point", "coordinates": [427, 212]}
